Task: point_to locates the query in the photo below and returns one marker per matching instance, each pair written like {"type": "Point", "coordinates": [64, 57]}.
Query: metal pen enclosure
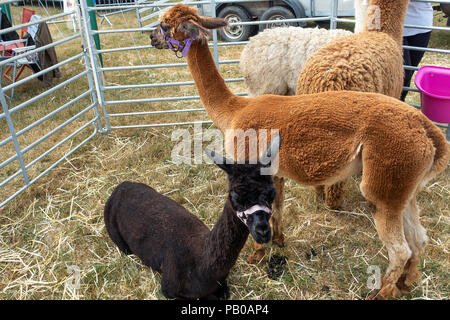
{"type": "Point", "coordinates": [106, 101]}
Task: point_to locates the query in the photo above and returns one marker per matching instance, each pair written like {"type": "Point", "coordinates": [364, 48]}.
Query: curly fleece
{"type": "Point", "coordinates": [272, 60]}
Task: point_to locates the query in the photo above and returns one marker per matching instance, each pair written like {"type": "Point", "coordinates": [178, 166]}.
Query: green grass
{"type": "Point", "coordinates": [58, 222]}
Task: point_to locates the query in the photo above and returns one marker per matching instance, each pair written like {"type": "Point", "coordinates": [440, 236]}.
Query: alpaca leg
{"type": "Point", "coordinates": [320, 191]}
{"type": "Point", "coordinates": [416, 237]}
{"type": "Point", "coordinates": [277, 212]}
{"type": "Point", "coordinates": [258, 253]}
{"type": "Point", "coordinates": [389, 225]}
{"type": "Point", "coordinates": [334, 195]}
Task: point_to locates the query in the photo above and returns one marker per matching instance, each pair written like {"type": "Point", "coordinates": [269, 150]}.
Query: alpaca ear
{"type": "Point", "coordinates": [193, 29]}
{"type": "Point", "coordinates": [220, 161]}
{"type": "Point", "coordinates": [271, 152]}
{"type": "Point", "coordinates": [213, 23]}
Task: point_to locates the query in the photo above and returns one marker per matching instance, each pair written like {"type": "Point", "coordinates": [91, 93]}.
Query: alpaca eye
{"type": "Point", "coordinates": [165, 27]}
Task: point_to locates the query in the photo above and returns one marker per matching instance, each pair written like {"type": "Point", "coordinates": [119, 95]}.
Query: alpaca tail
{"type": "Point", "coordinates": [442, 147]}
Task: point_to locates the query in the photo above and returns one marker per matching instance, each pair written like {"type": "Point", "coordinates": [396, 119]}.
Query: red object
{"type": "Point", "coordinates": [26, 16]}
{"type": "Point", "coordinates": [9, 47]}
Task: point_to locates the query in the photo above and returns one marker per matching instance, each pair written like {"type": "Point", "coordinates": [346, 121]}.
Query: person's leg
{"type": "Point", "coordinates": [419, 40]}
{"type": "Point", "coordinates": [413, 57]}
{"type": "Point", "coordinates": [408, 73]}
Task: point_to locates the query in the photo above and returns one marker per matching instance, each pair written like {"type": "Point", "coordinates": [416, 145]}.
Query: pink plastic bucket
{"type": "Point", "coordinates": [434, 85]}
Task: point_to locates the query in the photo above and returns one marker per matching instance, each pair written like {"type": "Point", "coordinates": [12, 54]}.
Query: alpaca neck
{"type": "Point", "coordinates": [214, 93]}
{"type": "Point", "coordinates": [391, 17]}
{"type": "Point", "coordinates": [223, 244]}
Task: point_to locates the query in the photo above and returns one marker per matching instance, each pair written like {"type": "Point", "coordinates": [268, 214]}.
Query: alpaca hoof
{"type": "Point", "coordinates": [337, 207]}
{"type": "Point", "coordinates": [402, 286]}
{"type": "Point", "coordinates": [333, 204]}
{"type": "Point", "coordinates": [256, 257]}
{"type": "Point", "coordinates": [386, 292]}
{"type": "Point", "coordinates": [279, 241]}
{"type": "Point", "coordinates": [373, 295]}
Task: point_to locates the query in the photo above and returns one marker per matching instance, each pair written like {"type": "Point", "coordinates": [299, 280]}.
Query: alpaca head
{"type": "Point", "coordinates": [250, 192]}
{"type": "Point", "coordinates": [182, 22]}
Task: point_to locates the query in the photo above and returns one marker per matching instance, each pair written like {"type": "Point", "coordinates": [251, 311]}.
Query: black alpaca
{"type": "Point", "coordinates": [193, 260]}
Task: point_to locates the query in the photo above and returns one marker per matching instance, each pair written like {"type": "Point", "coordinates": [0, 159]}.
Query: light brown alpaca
{"type": "Point", "coordinates": [328, 137]}
{"type": "Point", "coordinates": [369, 61]}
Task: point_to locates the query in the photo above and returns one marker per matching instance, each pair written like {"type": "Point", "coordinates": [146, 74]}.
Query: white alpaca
{"type": "Point", "coordinates": [272, 60]}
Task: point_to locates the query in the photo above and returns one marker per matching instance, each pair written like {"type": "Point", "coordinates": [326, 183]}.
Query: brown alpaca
{"type": "Point", "coordinates": [370, 61]}
{"type": "Point", "coordinates": [328, 137]}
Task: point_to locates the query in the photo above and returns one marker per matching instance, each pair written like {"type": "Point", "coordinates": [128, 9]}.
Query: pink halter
{"type": "Point", "coordinates": [243, 215]}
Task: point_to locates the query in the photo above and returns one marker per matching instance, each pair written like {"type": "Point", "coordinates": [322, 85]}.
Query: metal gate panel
{"type": "Point", "coordinates": [40, 129]}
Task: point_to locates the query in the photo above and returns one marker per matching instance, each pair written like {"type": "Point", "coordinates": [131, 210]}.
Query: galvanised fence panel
{"type": "Point", "coordinates": [43, 122]}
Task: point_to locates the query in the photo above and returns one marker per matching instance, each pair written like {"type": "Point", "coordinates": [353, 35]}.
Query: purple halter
{"type": "Point", "coordinates": [177, 46]}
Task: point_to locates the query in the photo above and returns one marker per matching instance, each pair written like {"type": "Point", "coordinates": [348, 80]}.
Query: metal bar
{"type": "Point", "coordinates": [37, 74]}
{"type": "Point", "coordinates": [160, 125]}
{"type": "Point", "coordinates": [95, 68]}
{"type": "Point", "coordinates": [48, 169]}
{"type": "Point", "coordinates": [60, 143]}
{"type": "Point", "coordinates": [214, 34]}
{"type": "Point", "coordinates": [144, 113]}
{"type": "Point", "coordinates": [220, 44]}
{"type": "Point", "coordinates": [14, 137]}
{"type": "Point", "coordinates": [20, 26]}
{"type": "Point", "coordinates": [62, 125]}
{"type": "Point", "coordinates": [45, 93]}
{"type": "Point", "coordinates": [345, 20]}
{"type": "Point", "coordinates": [90, 78]}
{"type": "Point", "coordinates": [153, 66]}
{"type": "Point", "coordinates": [410, 89]}
{"type": "Point", "coordinates": [45, 153]}
{"type": "Point", "coordinates": [15, 174]}
{"type": "Point", "coordinates": [124, 49]}
{"type": "Point", "coordinates": [167, 84]}
{"type": "Point", "coordinates": [410, 68]}
{"type": "Point", "coordinates": [159, 99]}
{"type": "Point", "coordinates": [170, 4]}
{"type": "Point", "coordinates": [334, 8]}
{"type": "Point", "coordinates": [46, 117]}
{"type": "Point", "coordinates": [27, 53]}
{"type": "Point", "coordinates": [144, 29]}
{"type": "Point", "coordinates": [427, 49]}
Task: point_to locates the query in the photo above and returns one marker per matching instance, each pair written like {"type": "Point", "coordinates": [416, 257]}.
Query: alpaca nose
{"type": "Point", "coordinates": [262, 231]}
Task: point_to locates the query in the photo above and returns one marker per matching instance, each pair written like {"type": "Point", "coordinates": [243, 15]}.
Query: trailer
{"type": "Point", "coordinates": [277, 11]}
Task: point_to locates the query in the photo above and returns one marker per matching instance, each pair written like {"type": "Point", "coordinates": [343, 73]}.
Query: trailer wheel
{"type": "Point", "coordinates": [278, 14]}
{"type": "Point", "coordinates": [236, 33]}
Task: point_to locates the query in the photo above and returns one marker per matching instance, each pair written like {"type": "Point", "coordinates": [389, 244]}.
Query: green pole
{"type": "Point", "coordinates": [93, 21]}
{"type": "Point", "coordinates": [7, 10]}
